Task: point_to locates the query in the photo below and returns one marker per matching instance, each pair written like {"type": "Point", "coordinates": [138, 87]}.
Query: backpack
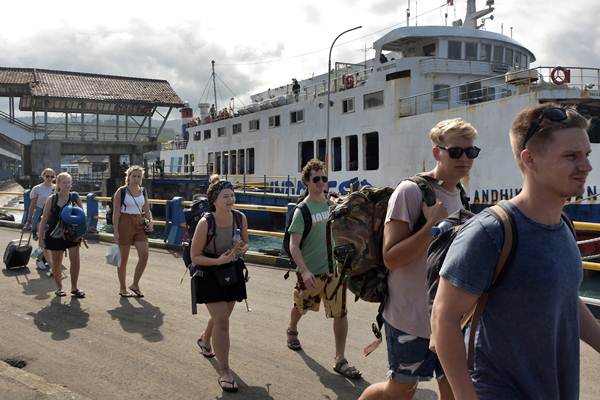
{"type": "Point", "coordinates": [64, 230]}
{"type": "Point", "coordinates": [306, 218]}
{"type": "Point", "coordinates": [438, 249]}
{"type": "Point", "coordinates": [199, 209]}
{"type": "Point", "coordinates": [356, 224]}
{"type": "Point", "coordinates": [109, 211]}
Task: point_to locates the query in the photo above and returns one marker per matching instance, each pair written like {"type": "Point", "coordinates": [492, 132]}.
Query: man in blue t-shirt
{"type": "Point", "coordinates": [527, 344]}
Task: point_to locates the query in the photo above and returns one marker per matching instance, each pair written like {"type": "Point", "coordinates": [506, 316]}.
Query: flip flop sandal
{"type": "Point", "coordinates": [60, 293]}
{"type": "Point", "coordinates": [343, 368]}
{"type": "Point", "coordinates": [205, 350]}
{"type": "Point", "coordinates": [80, 294]}
{"type": "Point", "coordinates": [138, 292]}
{"type": "Point", "coordinates": [292, 341]}
{"type": "Point", "coordinates": [232, 388]}
{"type": "Point", "coordinates": [127, 294]}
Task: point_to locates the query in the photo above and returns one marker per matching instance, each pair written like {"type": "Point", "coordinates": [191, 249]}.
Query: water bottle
{"type": "Point", "coordinates": [440, 228]}
{"type": "Point", "coordinates": [237, 237]}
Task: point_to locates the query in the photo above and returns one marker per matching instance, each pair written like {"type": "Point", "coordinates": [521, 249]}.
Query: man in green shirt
{"type": "Point", "coordinates": [315, 281]}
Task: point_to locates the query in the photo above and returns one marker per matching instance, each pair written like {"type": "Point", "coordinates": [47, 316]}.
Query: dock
{"type": "Point", "coordinates": [106, 347]}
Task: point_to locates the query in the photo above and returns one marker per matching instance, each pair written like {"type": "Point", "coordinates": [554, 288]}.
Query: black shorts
{"type": "Point", "coordinates": [208, 289]}
{"type": "Point", "coordinates": [58, 244]}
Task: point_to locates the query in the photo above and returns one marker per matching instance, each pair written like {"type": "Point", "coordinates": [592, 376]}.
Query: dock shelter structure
{"type": "Point", "coordinates": [65, 112]}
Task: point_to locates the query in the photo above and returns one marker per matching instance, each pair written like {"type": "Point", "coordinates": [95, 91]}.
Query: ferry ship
{"type": "Point", "coordinates": [381, 112]}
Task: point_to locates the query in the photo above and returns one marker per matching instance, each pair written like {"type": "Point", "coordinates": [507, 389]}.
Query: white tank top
{"type": "Point", "coordinates": [129, 206]}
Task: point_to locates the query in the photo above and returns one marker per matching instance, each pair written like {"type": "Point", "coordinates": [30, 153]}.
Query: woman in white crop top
{"type": "Point", "coordinates": [132, 221]}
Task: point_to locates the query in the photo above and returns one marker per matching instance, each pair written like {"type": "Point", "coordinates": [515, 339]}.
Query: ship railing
{"type": "Point", "coordinates": [174, 222]}
{"type": "Point", "coordinates": [585, 82]}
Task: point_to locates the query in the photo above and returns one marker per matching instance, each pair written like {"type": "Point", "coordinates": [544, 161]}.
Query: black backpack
{"type": "Point", "coordinates": [307, 219]}
{"type": "Point", "coordinates": [199, 209]}
{"type": "Point", "coordinates": [109, 211]}
{"type": "Point", "coordinates": [438, 249]}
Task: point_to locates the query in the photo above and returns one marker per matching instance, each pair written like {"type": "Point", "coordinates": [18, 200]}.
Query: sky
{"type": "Point", "coordinates": [262, 43]}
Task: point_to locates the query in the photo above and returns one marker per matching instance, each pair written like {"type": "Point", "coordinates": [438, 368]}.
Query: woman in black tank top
{"type": "Point", "coordinates": [212, 254]}
{"type": "Point", "coordinates": [57, 247]}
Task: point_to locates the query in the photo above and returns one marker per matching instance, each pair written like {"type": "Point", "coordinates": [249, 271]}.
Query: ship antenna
{"type": "Point", "coordinates": [214, 84]}
{"type": "Point", "coordinates": [408, 14]}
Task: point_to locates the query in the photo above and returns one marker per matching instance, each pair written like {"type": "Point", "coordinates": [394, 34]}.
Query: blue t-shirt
{"type": "Point", "coordinates": [527, 346]}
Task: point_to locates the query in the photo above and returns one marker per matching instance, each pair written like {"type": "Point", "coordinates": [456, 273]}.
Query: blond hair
{"type": "Point", "coordinates": [60, 177]}
{"type": "Point", "coordinates": [47, 170]}
{"type": "Point", "coordinates": [457, 126]}
{"type": "Point", "coordinates": [130, 170]}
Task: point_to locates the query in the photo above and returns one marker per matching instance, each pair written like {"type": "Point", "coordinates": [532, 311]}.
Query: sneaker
{"type": "Point", "coordinates": [40, 265]}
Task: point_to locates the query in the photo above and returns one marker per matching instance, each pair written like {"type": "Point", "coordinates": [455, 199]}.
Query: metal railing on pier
{"type": "Point", "coordinates": [175, 225]}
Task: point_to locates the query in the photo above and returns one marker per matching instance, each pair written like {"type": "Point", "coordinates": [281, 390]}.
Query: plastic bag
{"type": "Point", "coordinates": [113, 256]}
{"type": "Point", "coordinates": [36, 252]}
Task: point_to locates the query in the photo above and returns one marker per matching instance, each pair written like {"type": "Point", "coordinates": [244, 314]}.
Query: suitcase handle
{"type": "Point", "coordinates": [28, 240]}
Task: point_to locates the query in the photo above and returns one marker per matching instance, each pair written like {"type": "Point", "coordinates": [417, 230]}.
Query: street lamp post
{"type": "Point", "coordinates": [329, 94]}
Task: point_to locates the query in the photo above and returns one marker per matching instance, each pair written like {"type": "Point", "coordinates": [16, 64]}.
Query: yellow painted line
{"type": "Point", "coordinates": [12, 193]}
{"type": "Point", "coordinates": [591, 266]}
{"type": "Point", "coordinates": [11, 209]}
{"type": "Point", "coordinates": [586, 226]}
{"type": "Point", "coordinates": [256, 207]}
{"type": "Point", "coordinates": [103, 198]}
{"type": "Point", "coordinates": [255, 232]}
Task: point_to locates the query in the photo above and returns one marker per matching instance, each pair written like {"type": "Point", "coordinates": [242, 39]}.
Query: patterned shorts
{"type": "Point", "coordinates": [310, 299]}
{"type": "Point", "coordinates": [409, 357]}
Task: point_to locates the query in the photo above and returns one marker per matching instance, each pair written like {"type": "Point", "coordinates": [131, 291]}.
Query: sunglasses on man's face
{"type": "Point", "coordinates": [316, 179]}
{"type": "Point", "coordinates": [457, 152]}
{"type": "Point", "coordinates": [554, 114]}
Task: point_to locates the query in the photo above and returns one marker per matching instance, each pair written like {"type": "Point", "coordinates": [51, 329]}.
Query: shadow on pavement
{"type": "Point", "coordinates": [59, 318]}
{"type": "Point", "coordinates": [247, 392]}
{"type": "Point", "coordinates": [145, 320]}
{"type": "Point", "coordinates": [343, 387]}
{"type": "Point", "coordinates": [40, 286]}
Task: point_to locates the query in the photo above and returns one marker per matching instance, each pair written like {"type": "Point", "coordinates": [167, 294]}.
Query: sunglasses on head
{"type": "Point", "coordinates": [554, 114]}
{"type": "Point", "coordinates": [457, 152]}
{"type": "Point", "coordinates": [316, 179]}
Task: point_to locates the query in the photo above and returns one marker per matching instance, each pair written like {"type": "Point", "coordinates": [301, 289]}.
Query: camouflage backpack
{"type": "Point", "coordinates": [355, 236]}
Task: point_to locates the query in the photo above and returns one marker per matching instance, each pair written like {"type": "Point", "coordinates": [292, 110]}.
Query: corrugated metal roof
{"type": "Point", "coordinates": [84, 86]}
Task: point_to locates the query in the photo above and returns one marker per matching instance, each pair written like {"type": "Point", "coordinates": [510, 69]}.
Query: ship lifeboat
{"type": "Point", "coordinates": [266, 104]}
{"type": "Point", "coordinates": [278, 101]}
{"type": "Point", "coordinates": [254, 107]}
{"type": "Point", "coordinates": [243, 110]}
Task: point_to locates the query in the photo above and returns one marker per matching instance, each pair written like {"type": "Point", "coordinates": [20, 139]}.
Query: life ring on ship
{"type": "Point", "coordinates": [348, 81]}
{"type": "Point", "coordinates": [560, 75]}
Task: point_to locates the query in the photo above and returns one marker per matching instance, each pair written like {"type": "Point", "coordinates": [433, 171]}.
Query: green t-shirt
{"type": "Point", "coordinates": [314, 247]}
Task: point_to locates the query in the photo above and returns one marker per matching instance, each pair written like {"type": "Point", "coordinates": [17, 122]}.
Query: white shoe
{"type": "Point", "coordinates": [40, 265]}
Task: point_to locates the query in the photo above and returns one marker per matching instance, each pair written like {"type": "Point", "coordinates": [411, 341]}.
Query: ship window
{"type": "Point", "coordinates": [307, 153]}
{"type": "Point", "coordinates": [524, 61]}
{"type": "Point", "coordinates": [197, 135]}
{"type": "Point", "coordinates": [233, 162]}
{"type": "Point", "coordinates": [441, 93]}
{"type": "Point", "coordinates": [470, 93]}
{"type": "Point", "coordinates": [296, 117]}
{"type": "Point", "coordinates": [352, 153]}
{"type": "Point", "coordinates": [274, 121]}
{"type": "Point", "coordinates": [206, 134]}
{"type": "Point", "coordinates": [236, 128]}
{"type": "Point", "coordinates": [221, 131]}
{"type": "Point", "coordinates": [594, 130]}
{"type": "Point", "coordinates": [429, 50]}
{"type": "Point", "coordinates": [348, 105]}
{"type": "Point", "coordinates": [371, 151]}
{"type": "Point", "coordinates": [254, 125]}
{"type": "Point", "coordinates": [498, 54]}
{"type": "Point", "coordinates": [454, 50]}
{"type": "Point", "coordinates": [241, 165]}
{"type": "Point", "coordinates": [186, 163]}
{"type": "Point", "coordinates": [489, 93]}
{"type": "Point", "coordinates": [373, 100]}
{"type": "Point", "coordinates": [336, 159]}
{"type": "Point", "coordinates": [517, 59]}
{"type": "Point", "coordinates": [485, 53]}
{"type": "Point", "coordinates": [508, 56]}
{"type": "Point", "coordinates": [225, 163]}
{"type": "Point", "coordinates": [250, 153]}
{"type": "Point", "coordinates": [471, 51]}
{"type": "Point", "coordinates": [321, 149]}
{"type": "Point", "coordinates": [210, 165]}
{"type": "Point", "coordinates": [218, 162]}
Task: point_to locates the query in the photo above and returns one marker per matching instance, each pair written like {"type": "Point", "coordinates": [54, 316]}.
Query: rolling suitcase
{"type": "Point", "coordinates": [17, 253]}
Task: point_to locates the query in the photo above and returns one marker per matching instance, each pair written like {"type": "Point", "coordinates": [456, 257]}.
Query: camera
{"type": "Point", "coordinates": [147, 225]}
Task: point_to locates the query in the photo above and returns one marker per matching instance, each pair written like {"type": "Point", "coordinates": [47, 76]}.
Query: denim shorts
{"type": "Point", "coordinates": [409, 357]}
